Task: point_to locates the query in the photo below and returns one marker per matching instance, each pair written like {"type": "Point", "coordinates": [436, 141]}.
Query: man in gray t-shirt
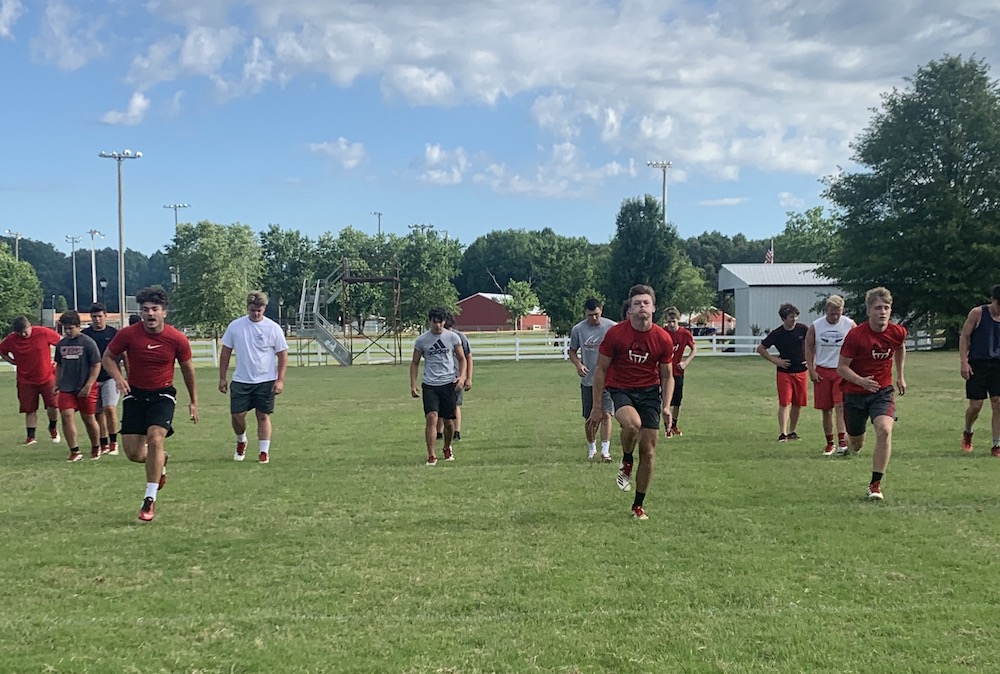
{"type": "Point", "coordinates": [586, 337]}
{"type": "Point", "coordinates": [78, 362]}
{"type": "Point", "coordinates": [449, 324]}
{"type": "Point", "coordinates": [444, 376]}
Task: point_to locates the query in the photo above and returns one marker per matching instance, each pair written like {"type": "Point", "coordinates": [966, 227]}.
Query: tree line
{"type": "Point", "coordinates": [921, 215]}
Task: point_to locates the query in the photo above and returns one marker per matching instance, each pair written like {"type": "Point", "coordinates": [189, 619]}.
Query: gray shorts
{"type": "Point", "coordinates": [587, 398]}
{"type": "Point", "coordinates": [246, 397]}
{"type": "Point", "coordinates": [108, 396]}
{"type": "Point", "coordinates": [860, 407]}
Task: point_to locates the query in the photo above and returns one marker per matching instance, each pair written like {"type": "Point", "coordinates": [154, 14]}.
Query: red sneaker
{"type": "Point", "coordinates": [624, 478]}
{"type": "Point", "coordinates": [432, 460]}
{"type": "Point", "coordinates": [874, 492]}
{"type": "Point", "coordinates": [147, 511]}
{"type": "Point", "coordinates": [113, 448]}
{"type": "Point", "coordinates": [639, 514]}
{"type": "Point", "coordinates": [105, 449]}
{"type": "Point", "coordinates": [448, 454]}
{"type": "Point", "coordinates": [95, 453]}
{"type": "Point", "coordinates": [966, 442]}
{"type": "Point", "coordinates": [29, 441]}
{"type": "Point", "coordinates": [54, 434]}
{"type": "Point", "coordinates": [995, 452]}
{"type": "Point", "coordinates": [163, 475]}
{"type": "Point", "coordinates": [241, 451]}
{"type": "Point", "coordinates": [263, 457]}
{"type": "Point", "coordinates": [676, 431]}
{"type": "Point", "coordinates": [75, 456]}
{"type": "Point", "coordinates": [829, 450]}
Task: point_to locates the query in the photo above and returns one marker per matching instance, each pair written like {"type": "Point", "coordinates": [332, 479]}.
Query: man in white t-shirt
{"type": "Point", "coordinates": [261, 361]}
{"type": "Point", "coordinates": [823, 341]}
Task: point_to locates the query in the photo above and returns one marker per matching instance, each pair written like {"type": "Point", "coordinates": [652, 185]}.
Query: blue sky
{"type": "Point", "coordinates": [471, 116]}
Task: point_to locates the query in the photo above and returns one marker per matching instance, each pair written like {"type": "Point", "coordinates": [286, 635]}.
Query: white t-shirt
{"type": "Point", "coordinates": [829, 339]}
{"type": "Point", "coordinates": [255, 345]}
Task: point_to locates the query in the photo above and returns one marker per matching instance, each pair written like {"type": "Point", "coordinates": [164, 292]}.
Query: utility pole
{"type": "Point", "coordinates": [378, 214]}
{"type": "Point", "coordinates": [93, 263]}
{"type": "Point", "coordinates": [421, 227]}
{"type": "Point", "coordinates": [73, 240]}
{"type": "Point", "coordinates": [17, 244]}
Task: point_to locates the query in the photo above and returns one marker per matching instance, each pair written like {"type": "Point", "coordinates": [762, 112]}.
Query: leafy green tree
{"type": "Point", "coordinates": [923, 217]}
{"type": "Point", "coordinates": [20, 290]}
{"type": "Point", "coordinates": [643, 250]}
{"type": "Point", "coordinates": [428, 265]}
{"type": "Point", "coordinates": [521, 300]}
{"type": "Point", "coordinates": [492, 260]}
{"type": "Point", "coordinates": [710, 250]}
{"type": "Point", "coordinates": [288, 260]}
{"type": "Point", "coordinates": [565, 274]}
{"type": "Point", "coordinates": [807, 237]}
{"type": "Point", "coordinates": [692, 294]}
{"type": "Point", "coordinates": [220, 265]}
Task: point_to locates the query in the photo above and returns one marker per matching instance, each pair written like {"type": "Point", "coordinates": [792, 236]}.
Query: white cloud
{"type": "Point", "coordinates": [10, 12]}
{"type": "Point", "coordinates": [350, 155]}
{"type": "Point", "coordinates": [67, 37]}
{"type": "Point", "coordinates": [726, 201]}
{"type": "Point", "coordinates": [443, 167]}
{"type": "Point", "coordinates": [789, 200]}
{"type": "Point", "coordinates": [138, 105]}
{"type": "Point", "coordinates": [563, 172]}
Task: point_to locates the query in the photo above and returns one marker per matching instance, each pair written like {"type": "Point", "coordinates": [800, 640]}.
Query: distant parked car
{"type": "Point", "coordinates": [703, 330]}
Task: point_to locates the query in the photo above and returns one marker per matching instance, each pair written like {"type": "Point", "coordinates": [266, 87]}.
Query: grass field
{"type": "Point", "coordinates": [347, 554]}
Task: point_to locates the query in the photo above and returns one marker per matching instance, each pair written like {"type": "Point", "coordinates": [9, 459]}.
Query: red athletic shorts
{"type": "Point", "coordinates": [826, 391]}
{"type": "Point", "coordinates": [793, 388]}
{"type": "Point", "coordinates": [27, 395]}
{"type": "Point", "coordinates": [71, 401]}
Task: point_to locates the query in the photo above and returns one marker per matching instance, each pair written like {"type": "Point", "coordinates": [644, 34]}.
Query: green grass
{"type": "Point", "coordinates": [346, 554]}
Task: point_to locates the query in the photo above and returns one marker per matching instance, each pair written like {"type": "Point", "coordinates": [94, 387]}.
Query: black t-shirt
{"type": "Point", "coordinates": [790, 345]}
{"type": "Point", "coordinates": [103, 338]}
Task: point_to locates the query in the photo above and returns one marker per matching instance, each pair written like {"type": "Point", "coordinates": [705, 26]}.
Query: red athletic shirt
{"type": "Point", "coordinates": [635, 356]}
{"type": "Point", "coordinates": [682, 339]}
{"type": "Point", "coordinates": [151, 356]}
{"type": "Point", "coordinates": [32, 354]}
{"type": "Point", "coordinates": [871, 353]}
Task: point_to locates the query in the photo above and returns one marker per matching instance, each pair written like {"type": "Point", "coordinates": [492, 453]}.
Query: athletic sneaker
{"type": "Point", "coordinates": [639, 514]}
{"type": "Point", "coordinates": [54, 434]}
{"type": "Point", "coordinates": [104, 449]}
{"type": "Point", "coordinates": [432, 460]}
{"type": "Point", "coordinates": [668, 432]}
{"type": "Point", "coordinates": [793, 436]}
{"type": "Point", "coordinates": [264, 457]}
{"type": "Point", "coordinates": [829, 450]}
{"type": "Point", "coordinates": [624, 476]}
{"type": "Point", "coordinates": [966, 441]}
{"type": "Point", "coordinates": [113, 449]}
{"type": "Point", "coordinates": [995, 451]}
{"type": "Point", "coordinates": [782, 438]}
{"type": "Point", "coordinates": [75, 456]}
{"type": "Point", "coordinates": [241, 451]}
{"type": "Point", "coordinates": [440, 435]}
{"type": "Point", "coordinates": [458, 435]}
{"type": "Point", "coordinates": [147, 511]}
{"type": "Point", "coordinates": [163, 475]}
{"type": "Point", "coordinates": [95, 453]}
{"type": "Point", "coordinates": [448, 454]}
{"type": "Point", "coordinates": [591, 454]}
{"type": "Point", "coordinates": [842, 450]}
{"type": "Point", "coordinates": [675, 431]}
{"type": "Point", "coordinates": [28, 442]}
{"type": "Point", "coordinates": [605, 458]}
{"type": "Point", "coordinates": [874, 492]}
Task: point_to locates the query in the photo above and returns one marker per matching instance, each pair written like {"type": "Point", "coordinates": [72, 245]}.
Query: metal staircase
{"type": "Point", "coordinates": [312, 322]}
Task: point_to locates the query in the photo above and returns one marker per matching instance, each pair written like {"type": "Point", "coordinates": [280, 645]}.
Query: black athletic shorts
{"type": "Point", "coordinates": [246, 397]}
{"type": "Point", "coordinates": [142, 409]}
{"type": "Point", "coordinates": [985, 380]}
{"type": "Point", "coordinates": [860, 407]}
{"type": "Point", "coordinates": [587, 398]}
{"type": "Point", "coordinates": [440, 399]}
{"type": "Point", "coordinates": [678, 396]}
{"type": "Point", "coordinates": [648, 402]}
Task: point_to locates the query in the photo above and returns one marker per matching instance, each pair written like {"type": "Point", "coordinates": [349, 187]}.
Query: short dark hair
{"type": "Point", "coordinates": [626, 305]}
{"type": "Point", "coordinates": [449, 320]}
{"type": "Point", "coordinates": [641, 289]}
{"type": "Point", "coordinates": [591, 304]}
{"type": "Point", "coordinates": [152, 295]}
{"type": "Point", "coordinates": [69, 318]}
{"type": "Point", "coordinates": [133, 319]}
{"type": "Point", "coordinates": [786, 310]}
{"type": "Point", "coordinates": [995, 293]}
{"type": "Point", "coordinates": [437, 314]}
{"type": "Point", "coordinates": [20, 323]}
{"type": "Point", "coordinates": [98, 308]}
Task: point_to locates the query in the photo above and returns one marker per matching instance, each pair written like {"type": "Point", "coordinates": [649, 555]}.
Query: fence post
{"type": "Point", "coordinates": [517, 347]}
{"type": "Point", "coordinates": [215, 352]}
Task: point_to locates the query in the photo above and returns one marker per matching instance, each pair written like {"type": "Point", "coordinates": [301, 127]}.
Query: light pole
{"type": "Point", "coordinates": [662, 165]}
{"type": "Point", "coordinates": [378, 214]}
{"type": "Point", "coordinates": [72, 241]}
{"type": "Point", "coordinates": [103, 285]}
{"type": "Point", "coordinates": [93, 263]}
{"type": "Point", "coordinates": [176, 207]}
{"type": "Point", "coordinates": [17, 244]}
{"type": "Point", "coordinates": [421, 227]}
{"type": "Point", "coordinates": [175, 276]}
{"type": "Point", "coordinates": [119, 157]}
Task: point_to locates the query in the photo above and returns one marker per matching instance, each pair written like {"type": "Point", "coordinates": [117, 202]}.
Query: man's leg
{"type": "Point", "coordinates": [135, 447]}
{"type": "Point", "coordinates": [971, 414]}
{"type": "Point", "coordinates": [793, 418]}
{"type": "Point", "coordinates": [880, 456]}
{"type": "Point", "coordinates": [238, 420]}
{"type": "Point", "coordinates": [263, 436]}
{"type": "Point", "coordinates": [430, 434]}
{"type": "Point", "coordinates": [102, 424]}
{"type": "Point", "coordinates": [458, 421]}
{"type": "Point", "coordinates": [69, 429]}
{"type": "Point", "coordinates": [449, 430]}
{"type": "Point", "coordinates": [995, 405]}
{"type": "Point", "coordinates": [94, 433]}
{"type": "Point", "coordinates": [841, 423]}
{"type": "Point", "coordinates": [783, 420]}
{"type": "Point", "coordinates": [31, 423]}
{"type": "Point", "coordinates": [606, 438]}
{"type": "Point", "coordinates": [628, 418]}
{"type": "Point", "coordinates": [647, 455]}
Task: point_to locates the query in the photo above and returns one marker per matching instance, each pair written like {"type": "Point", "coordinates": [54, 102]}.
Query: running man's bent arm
{"type": "Point", "coordinates": [693, 348]}
{"type": "Point", "coordinates": [666, 386]}
{"type": "Point", "coordinates": [900, 357]}
{"type": "Point", "coordinates": [110, 363]}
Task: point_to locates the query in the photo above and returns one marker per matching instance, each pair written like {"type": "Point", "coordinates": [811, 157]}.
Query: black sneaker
{"type": "Point", "coordinates": [440, 435]}
{"type": "Point", "coordinates": [793, 436]}
{"type": "Point", "coordinates": [458, 435]}
{"type": "Point", "coordinates": [782, 438]}
{"type": "Point", "coordinates": [147, 510]}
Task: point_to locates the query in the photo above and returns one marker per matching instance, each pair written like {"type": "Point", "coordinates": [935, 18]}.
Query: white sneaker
{"type": "Point", "coordinates": [591, 454]}
{"type": "Point", "coordinates": [624, 477]}
{"type": "Point", "coordinates": [842, 450]}
{"type": "Point", "coordinates": [56, 438]}
{"type": "Point", "coordinates": [605, 458]}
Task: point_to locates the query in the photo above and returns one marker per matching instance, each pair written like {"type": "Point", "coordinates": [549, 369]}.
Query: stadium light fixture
{"type": "Point", "coordinates": [119, 157]}
{"type": "Point", "coordinates": [664, 166]}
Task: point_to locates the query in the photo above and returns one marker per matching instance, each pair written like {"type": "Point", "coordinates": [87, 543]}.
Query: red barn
{"type": "Point", "coordinates": [485, 311]}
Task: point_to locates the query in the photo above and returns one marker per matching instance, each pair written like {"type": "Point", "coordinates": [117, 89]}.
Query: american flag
{"type": "Point", "coordinates": [769, 255]}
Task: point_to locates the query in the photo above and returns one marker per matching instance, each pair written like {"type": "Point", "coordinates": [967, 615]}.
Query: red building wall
{"type": "Point", "coordinates": [479, 312]}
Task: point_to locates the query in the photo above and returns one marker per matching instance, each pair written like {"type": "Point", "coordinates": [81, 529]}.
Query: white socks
{"type": "Point", "coordinates": [151, 489]}
{"type": "Point", "coordinates": [265, 445]}
{"type": "Point", "coordinates": [242, 437]}
{"type": "Point", "coordinates": [605, 448]}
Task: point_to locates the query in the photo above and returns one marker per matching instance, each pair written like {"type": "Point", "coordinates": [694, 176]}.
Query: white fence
{"type": "Point", "coordinates": [505, 346]}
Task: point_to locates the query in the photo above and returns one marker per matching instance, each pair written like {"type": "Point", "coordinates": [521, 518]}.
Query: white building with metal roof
{"type": "Point", "coordinates": [759, 290]}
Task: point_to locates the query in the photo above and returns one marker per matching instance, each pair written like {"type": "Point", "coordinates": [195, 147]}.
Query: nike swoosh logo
{"type": "Point", "coordinates": [153, 346]}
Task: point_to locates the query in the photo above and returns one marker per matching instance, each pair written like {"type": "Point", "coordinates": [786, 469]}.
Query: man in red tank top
{"type": "Point", "coordinates": [152, 346]}
{"type": "Point", "coordinates": [866, 359]}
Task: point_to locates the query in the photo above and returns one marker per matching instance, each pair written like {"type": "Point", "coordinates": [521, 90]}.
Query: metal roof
{"type": "Point", "coordinates": [786, 274]}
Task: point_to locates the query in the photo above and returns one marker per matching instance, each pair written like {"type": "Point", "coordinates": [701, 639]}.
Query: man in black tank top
{"type": "Point", "coordinates": [979, 351]}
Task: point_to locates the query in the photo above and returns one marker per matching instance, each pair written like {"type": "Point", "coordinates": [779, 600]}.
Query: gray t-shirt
{"type": "Point", "coordinates": [466, 347]}
{"type": "Point", "coordinates": [75, 356]}
{"type": "Point", "coordinates": [586, 339]}
{"type": "Point", "coordinates": [440, 366]}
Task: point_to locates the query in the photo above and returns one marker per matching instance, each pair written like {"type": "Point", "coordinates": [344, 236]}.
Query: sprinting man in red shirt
{"type": "Point", "coordinates": [682, 339]}
{"type": "Point", "coordinates": [28, 348]}
{"type": "Point", "coordinates": [866, 360]}
{"type": "Point", "coordinates": [152, 347]}
{"type": "Point", "coordinates": [636, 366]}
